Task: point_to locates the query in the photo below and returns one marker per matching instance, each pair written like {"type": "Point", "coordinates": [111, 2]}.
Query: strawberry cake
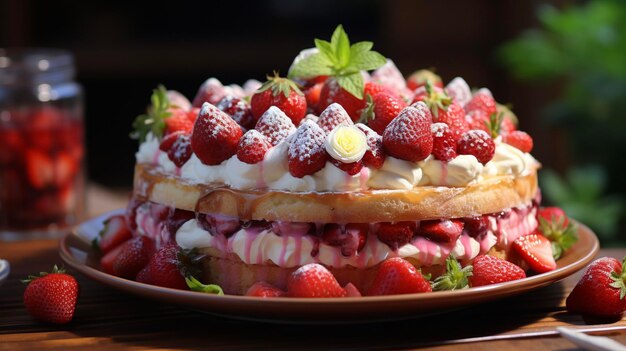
{"type": "Point", "coordinates": [345, 164]}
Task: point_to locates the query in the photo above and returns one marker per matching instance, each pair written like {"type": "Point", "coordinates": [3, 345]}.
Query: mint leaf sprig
{"type": "Point", "coordinates": [341, 60]}
{"type": "Point", "coordinates": [154, 120]}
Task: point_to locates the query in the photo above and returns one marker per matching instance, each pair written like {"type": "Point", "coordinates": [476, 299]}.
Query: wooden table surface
{"type": "Point", "coordinates": [107, 319]}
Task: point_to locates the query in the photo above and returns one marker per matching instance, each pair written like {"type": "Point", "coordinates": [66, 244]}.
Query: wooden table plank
{"type": "Point", "coordinates": [110, 320]}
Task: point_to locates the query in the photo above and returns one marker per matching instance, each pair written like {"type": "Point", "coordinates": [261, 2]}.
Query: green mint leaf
{"type": "Point", "coordinates": [367, 61]}
{"type": "Point", "coordinates": [326, 50]}
{"type": "Point", "coordinates": [352, 83]}
{"type": "Point", "coordinates": [312, 66]}
{"type": "Point", "coordinates": [154, 121]}
{"type": "Point", "coordinates": [341, 46]}
{"type": "Point", "coordinates": [360, 47]}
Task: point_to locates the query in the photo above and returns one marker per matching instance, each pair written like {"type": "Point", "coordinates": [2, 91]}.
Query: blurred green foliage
{"type": "Point", "coordinates": [583, 48]}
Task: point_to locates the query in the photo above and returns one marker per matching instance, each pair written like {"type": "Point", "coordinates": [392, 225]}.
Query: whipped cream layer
{"type": "Point", "coordinates": [273, 174]}
{"type": "Point", "coordinates": [260, 246]}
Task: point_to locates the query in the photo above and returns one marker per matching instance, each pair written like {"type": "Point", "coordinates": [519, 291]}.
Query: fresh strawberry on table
{"type": "Point", "coordinates": [51, 297]}
{"type": "Point", "coordinates": [343, 64]}
{"type": "Point", "coordinates": [282, 93]}
{"type": "Point", "coordinates": [215, 135]}
{"type": "Point", "coordinates": [536, 251]}
{"type": "Point", "coordinates": [114, 233]}
{"type": "Point", "coordinates": [398, 276]}
{"type": "Point", "coordinates": [601, 290]}
{"type": "Point", "coordinates": [313, 280]}
{"type": "Point", "coordinates": [489, 270]}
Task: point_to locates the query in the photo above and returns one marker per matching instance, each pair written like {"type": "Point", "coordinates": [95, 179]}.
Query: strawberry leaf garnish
{"type": "Point", "coordinates": [195, 285]}
{"type": "Point", "coordinates": [55, 270]}
{"type": "Point", "coordinates": [341, 60]}
{"type": "Point", "coordinates": [619, 279]}
{"type": "Point", "coordinates": [154, 120]}
{"type": "Point", "coordinates": [436, 100]}
{"type": "Point", "coordinates": [279, 85]}
{"type": "Point", "coordinates": [455, 277]}
{"type": "Point", "coordinates": [494, 124]}
{"type": "Point", "coordinates": [561, 236]}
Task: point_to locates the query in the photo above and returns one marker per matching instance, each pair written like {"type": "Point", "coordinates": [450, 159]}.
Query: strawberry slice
{"type": "Point", "coordinates": [106, 262]}
{"type": "Point", "coordinates": [40, 169]}
{"type": "Point", "coordinates": [264, 289]}
{"type": "Point", "coordinates": [307, 153]}
{"type": "Point", "coordinates": [398, 276]}
{"type": "Point", "coordinates": [492, 270]}
{"type": "Point", "coordinates": [396, 235]}
{"type": "Point", "coordinates": [447, 230]}
{"type": "Point", "coordinates": [536, 250]}
{"type": "Point", "coordinates": [114, 233]}
{"type": "Point", "coordinates": [313, 280]}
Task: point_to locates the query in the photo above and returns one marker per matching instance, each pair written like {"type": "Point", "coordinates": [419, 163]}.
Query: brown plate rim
{"type": "Point", "coordinates": [309, 308]}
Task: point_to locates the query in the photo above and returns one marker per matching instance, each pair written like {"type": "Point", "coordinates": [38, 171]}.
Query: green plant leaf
{"type": "Point", "coordinates": [312, 66]}
{"type": "Point", "coordinates": [360, 47]}
{"type": "Point", "coordinates": [352, 83]}
{"type": "Point", "coordinates": [326, 50]}
{"type": "Point", "coordinates": [367, 61]}
{"type": "Point", "coordinates": [341, 46]}
{"type": "Point", "coordinates": [154, 121]}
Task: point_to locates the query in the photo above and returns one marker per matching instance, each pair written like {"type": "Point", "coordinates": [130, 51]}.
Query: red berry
{"type": "Point", "coordinates": [385, 107]}
{"type": "Point", "coordinates": [238, 109]}
{"type": "Point", "coordinates": [350, 168]}
{"type": "Point", "coordinates": [489, 270]}
{"type": "Point", "coordinates": [307, 153]}
{"type": "Point", "coordinates": [507, 126]}
{"type": "Point", "coordinates": [390, 77]}
{"type": "Point", "coordinates": [536, 250]}
{"type": "Point", "coordinates": [215, 135]}
{"type": "Point", "coordinates": [332, 92]}
{"type": "Point", "coordinates": [395, 235]}
{"type": "Point", "coordinates": [418, 79]}
{"type": "Point", "coordinates": [114, 233]}
{"type": "Point", "coordinates": [478, 144]}
{"type": "Point", "coordinates": [133, 256]}
{"type": "Point", "coordinates": [52, 297]}
{"type": "Point", "coordinates": [478, 120]}
{"type": "Point", "coordinates": [476, 226]}
{"type": "Point", "coordinates": [459, 91]}
{"type": "Point", "coordinates": [211, 91]}
{"type": "Point", "coordinates": [350, 238]}
{"type": "Point", "coordinates": [375, 155]}
{"type": "Point", "coordinates": [282, 93]}
{"type": "Point", "coordinates": [275, 125]}
{"type": "Point", "coordinates": [263, 289]}
{"type": "Point", "coordinates": [553, 215]}
{"type": "Point", "coordinates": [482, 100]}
{"type": "Point", "coordinates": [178, 122]}
{"type": "Point", "coordinates": [40, 168]}
{"type": "Point", "coordinates": [408, 136]}
{"type": "Point", "coordinates": [252, 147]}
{"type": "Point", "coordinates": [312, 96]}
{"type": "Point", "coordinates": [599, 292]}
{"type": "Point", "coordinates": [454, 117]}
{"type": "Point", "coordinates": [333, 116]}
{"type": "Point", "coordinates": [106, 262]}
{"type": "Point", "coordinates": [398, 276]}
{"type": "Point", "coordinates": [178, 147]}
{"type": "Point", "coordinates": [446, 230]}
{"type": "Point", "coordinates": [519, 139]}
{"type": "Point", "coordinates": [313, 280]}
{"type": "Point", "coordinates": [164, 269]}
{"type": "Point", "coordinates": [444, 143]}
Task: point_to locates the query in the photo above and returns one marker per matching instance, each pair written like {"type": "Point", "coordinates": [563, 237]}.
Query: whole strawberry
{"type": "Point", "coordinates": [133, 256]}
{"type": "Point", "coordinates": [167, 267]}
{"type": "Point", "coordinates": [215, 135]}
{"type": "Point", "coordinates": [275, 125]}
{"type": "Point", "coordinates": [408, 136]}
{"type": "Point", "coordinates": [482, 100]}
{"type": "Point", "coordinates": [398, 276]}
{"type": "Point", "coordinates": [419, 78]}
{"type": "Point", "coordinates": [518, 139]}
{"type": "Point", "coordinates": [264, 289]}
{"type": "Point", "coordinates": [313, 280]}
{"type": "Point", "coordinates": [601, 290]}
{"type": "Point", "coordinates": [478, 144]}
{"type": "Point", "coordinates": [282, 93]}
{"type": "Point", "coordinates": [51, 297]}
{"type": "Point", "coordinates": [238, 109]}
{"type": "Point", "coordinates": [489, 270]}
{"type": "Point", "coordinates": [396, 235]}
{"type": "Point", "coordinates": [307, 154]}
{"type": "Point", "coordinates": [381, 109]}
{"type": "Point", "coordinates": [252, 147]}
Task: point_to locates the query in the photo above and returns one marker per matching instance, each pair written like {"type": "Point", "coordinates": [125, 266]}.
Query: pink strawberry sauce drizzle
{"type": "Point", "coordinates": [505, 227]}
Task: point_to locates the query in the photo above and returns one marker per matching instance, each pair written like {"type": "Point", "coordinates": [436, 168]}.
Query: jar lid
{"type": "Point", "coordinates": [35, 65]}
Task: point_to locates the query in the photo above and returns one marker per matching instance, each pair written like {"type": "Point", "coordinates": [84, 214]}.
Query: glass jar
{"type": "Point", "coordinates": [42, 177]}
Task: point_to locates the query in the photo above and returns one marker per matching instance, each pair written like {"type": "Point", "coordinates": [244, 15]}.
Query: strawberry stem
{"type": "Point", "coordinates": [55, 270]}
{"type": "Point", "coordinates": [456, 277]}
{"type": "Point", "coordinates": [619, 280]}
{"type": "Point", "coordinates": [195, 285]}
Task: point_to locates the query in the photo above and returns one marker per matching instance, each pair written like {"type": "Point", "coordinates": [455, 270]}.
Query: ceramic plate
{"type": "Point", "coordinates": [76, 251]}
{"type": "Point", "coordinates": [4, 270]}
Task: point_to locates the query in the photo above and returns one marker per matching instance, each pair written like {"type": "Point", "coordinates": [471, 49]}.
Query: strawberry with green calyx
{"type": "Point", "coordinates": [282, 93]}
{"type": "Point", "coordinates": [494, 124]}
{"type": "Point", "coordinates": [170, 266]}
{"type": "Point", "coordinates": [561, 233]}
{"type": "Point", "coordinates": [599, 295]}
{"type": "Point", "coordinates": [435, 98]}
{"type": "Point", "coordinates": [398, 276]}
{"type": "Point", "coordinates": [154, 121]}
{"type": "Point", "coordinates": [195, 285]}
{"type": "Point", "coordinates": [51, 297]}
{"type": "Point", "coordinates": [455, 277]}
{"type": "Point", "coordinates": [380, 109]}
{"type": "Point", "coordinates": [419, 78]}
{"type": "Point", "coordinates": [343, 63]}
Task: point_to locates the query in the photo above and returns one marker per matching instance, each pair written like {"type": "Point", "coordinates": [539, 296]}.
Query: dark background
{"type": "Point", "coordinates": [124, 50]}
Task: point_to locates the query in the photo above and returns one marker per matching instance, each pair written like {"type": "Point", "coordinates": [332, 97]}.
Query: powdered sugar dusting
{"type": "Point", "coordinates": [406, 127]}
{"type": "Point", "coordinates": [308, 141]}
{"type": "Point", "coordinates": [333, 116]}
{"type": "Point", "coordinates": [459, 90]}
{"type": "Point", "coordinates": [275, 125]}
{"type": "Point", "coordinates": [252, 147]}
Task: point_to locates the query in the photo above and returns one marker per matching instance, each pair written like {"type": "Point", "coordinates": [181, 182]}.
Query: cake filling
{"type": "Point", "coordinates": [292, 244]}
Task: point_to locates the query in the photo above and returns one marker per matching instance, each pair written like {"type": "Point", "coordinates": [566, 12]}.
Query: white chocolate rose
{"type": "Point", "coordinates": [346, 144]}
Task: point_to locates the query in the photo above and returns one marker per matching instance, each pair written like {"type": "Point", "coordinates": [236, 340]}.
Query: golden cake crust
{"type": "Point", "coordinates": [490, 195]}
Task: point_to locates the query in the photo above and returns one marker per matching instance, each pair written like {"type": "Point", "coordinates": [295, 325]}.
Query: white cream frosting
{"type": "Point", "coordinates": [395, 174]}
